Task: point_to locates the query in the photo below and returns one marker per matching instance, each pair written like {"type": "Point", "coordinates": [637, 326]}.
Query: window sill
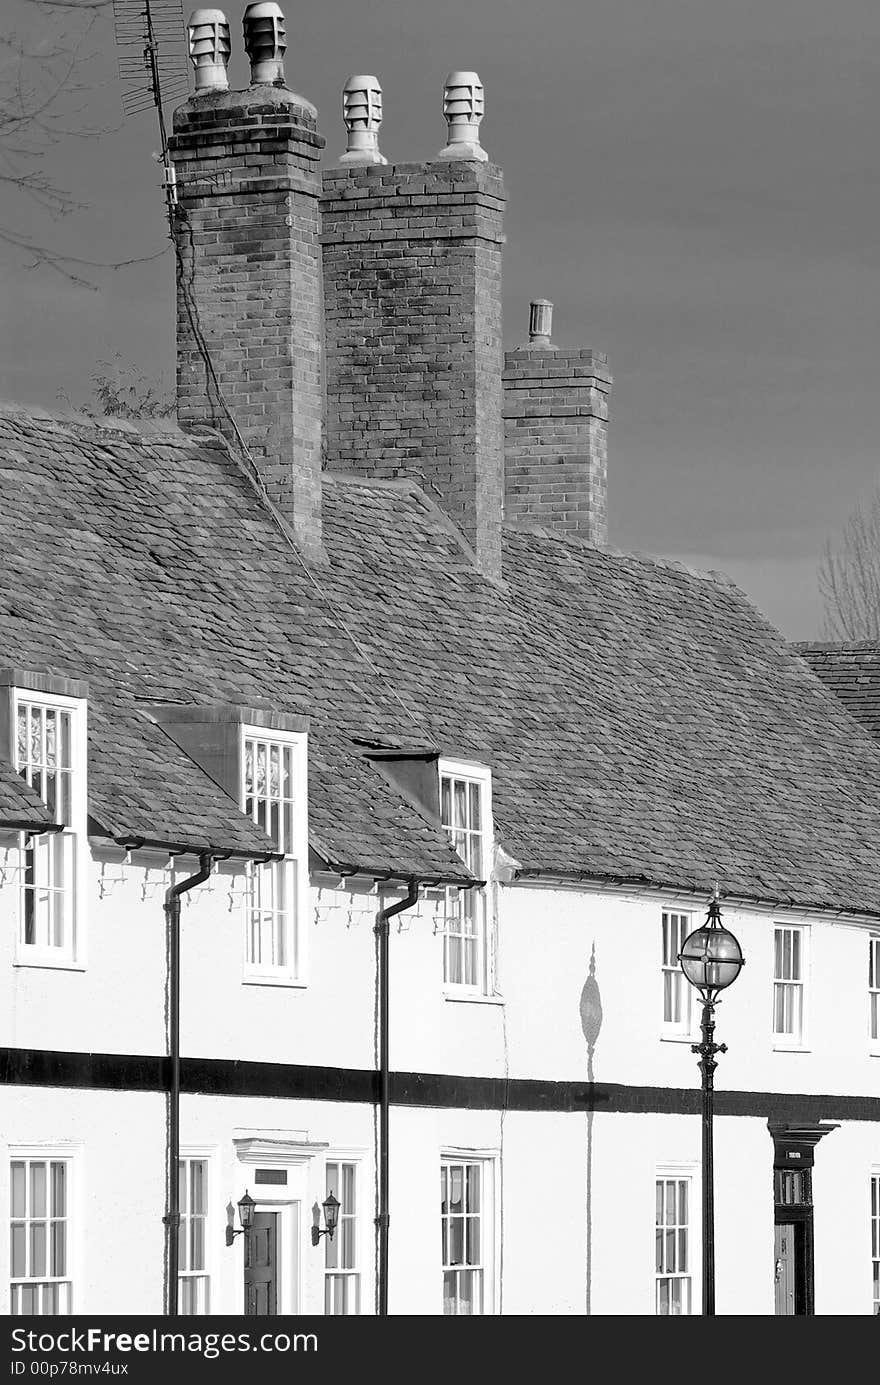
{"type": "Point", "coordinates": [49, 964]}
{"type": "Point", "coordinates": [679, 1038]}
{"type": "Point", "coordinates": [288, 982]}
{"type": "Point", "coordinates": [791, 1048]}
{"type": "Point", "coordinates": [473, 999]}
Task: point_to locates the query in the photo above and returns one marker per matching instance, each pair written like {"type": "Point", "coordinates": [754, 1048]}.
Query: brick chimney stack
{"type": "Point", "coordinates": [556, 433]}
{"type": "Point", "coordinates": [412, 293]}
{"type": "Point", "coordinates": [249, 332]}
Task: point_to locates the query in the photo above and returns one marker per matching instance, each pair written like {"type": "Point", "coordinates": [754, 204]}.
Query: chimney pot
{"type": "Point", "coordinates": [265, 42]}
{"type": "Point", "coordinates": [362, 116]}
{"type": "Point", "coordinates": [463, 107]}
{"type": "Point", "coordinates": [209, 49]}
{"type": "Point", "coordinates": [540, 323]}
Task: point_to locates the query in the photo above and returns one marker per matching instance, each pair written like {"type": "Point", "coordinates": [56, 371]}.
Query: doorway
{"type": "Point", "coordinates": [261, 1267]}
{"type": "Point", "coordinates": [790, 1270]}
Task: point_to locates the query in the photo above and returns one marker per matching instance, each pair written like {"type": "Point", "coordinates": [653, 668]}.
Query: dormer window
{"type": "Point", "coordinates": [274, 787]}
{"type": "Point", "coordinates": [466, 814]}
{"type": "Point", "coordinates": [49, 743]}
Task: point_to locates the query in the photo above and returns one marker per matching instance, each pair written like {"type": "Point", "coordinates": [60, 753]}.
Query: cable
{"type": "Point", "coordinates": [186, 290]}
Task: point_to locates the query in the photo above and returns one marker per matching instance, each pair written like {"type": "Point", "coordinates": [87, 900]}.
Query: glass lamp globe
{"type": "Point", "coordinates": [711, 957]}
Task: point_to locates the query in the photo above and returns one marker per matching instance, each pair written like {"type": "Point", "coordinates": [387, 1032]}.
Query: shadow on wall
{"type": "Point", "coordinates": [591, 1023]}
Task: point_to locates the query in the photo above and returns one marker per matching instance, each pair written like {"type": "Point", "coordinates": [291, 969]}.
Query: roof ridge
{"type": "Point", "coordinates": [168, 429]}
{"type": "Point", "coordinates": [541, 531]}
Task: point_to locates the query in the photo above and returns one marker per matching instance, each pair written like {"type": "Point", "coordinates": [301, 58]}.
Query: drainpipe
{"type": "Point", "coordinates": [172, 1214]}
{"type": "Point", "coordinates": [383, 933]}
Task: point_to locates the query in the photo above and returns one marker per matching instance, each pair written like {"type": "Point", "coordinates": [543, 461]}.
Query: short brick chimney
{"type": "Point", "coordinates": [556, 433]}
{"type": "Point", "coordinates": [249, 333]}
{"type": "Point", "coordinates": [412, 294]}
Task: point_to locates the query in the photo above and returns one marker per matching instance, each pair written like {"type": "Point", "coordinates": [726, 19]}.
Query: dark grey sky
{"type": "Point", "coordinates": [693, 183]}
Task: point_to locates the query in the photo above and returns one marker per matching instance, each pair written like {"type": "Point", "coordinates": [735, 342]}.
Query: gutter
{"type": "Point", "coordinates": [383, 1220]}
{"type": "Point", "coordinates": [172, 1189]}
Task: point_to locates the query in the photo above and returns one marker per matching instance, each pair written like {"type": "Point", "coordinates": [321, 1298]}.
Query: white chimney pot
{"type": "Point", "coordinates": [362, 116]}
{"type": "Point", "coordinates": [265, 42]}
{"type": "Point", "coordinates": [463, 105]}
{"type": "Point", "coordinates": [209, 49]}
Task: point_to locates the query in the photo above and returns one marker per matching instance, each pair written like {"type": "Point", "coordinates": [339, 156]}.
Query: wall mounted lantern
{"type": "Point", "coordinates": [331, 1218]}
{"type": "Point", "coordinates": [246, 1207]}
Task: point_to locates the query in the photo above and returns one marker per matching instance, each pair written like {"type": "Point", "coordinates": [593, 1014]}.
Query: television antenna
{"type": "Point", "coordinates": [152, 68]}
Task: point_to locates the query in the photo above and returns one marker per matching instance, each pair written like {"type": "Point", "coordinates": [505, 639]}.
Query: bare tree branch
{"type": "Point", "coordinates": [849, 577]}
{"type": "Point", "coordinates": [45, 89]}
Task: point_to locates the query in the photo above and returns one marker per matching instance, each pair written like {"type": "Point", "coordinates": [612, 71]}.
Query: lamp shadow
{"type": "Point", "coordinates": [591, 1023]}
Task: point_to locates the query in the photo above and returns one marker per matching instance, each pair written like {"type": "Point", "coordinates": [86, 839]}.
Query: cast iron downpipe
{"type": "Point", "coordinates": [172, 1214]}
{"type": "Point", "coordinates": [383, 933]}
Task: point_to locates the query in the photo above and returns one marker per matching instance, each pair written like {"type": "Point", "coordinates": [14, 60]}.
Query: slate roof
{"type": "Point", "coordinates": [852, 673]}
{"type": "Point", "coordinates": [143, 562]}
{"type": "Point", "coordinates": [20, 807]}
{"type": "Point", "coordinates": [643, 723]}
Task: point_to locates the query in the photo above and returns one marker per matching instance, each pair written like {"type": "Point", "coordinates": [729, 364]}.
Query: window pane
{"type": "Point", "coordinates": [17, 1252]}
{"type": "Point", "coordinates": [348, 1172]}
{"type": "Point", "coordinates": [58, 1249]}
{"type": "Point", "coordinates": [473, 1187]}
{"type": "Point", "coordinates": [17, 1189]}
{"type": "Point", "coordinates": [347, 1246]}
{"type": "Point", "coordinates": [456, 1241]}
{"type": "Point", "coordinates": [38, 1249]}
{"type": "Point", "coordinates": [473, 1241]}
{"type": "Point", "coordinates": [197, 1243]}
{"type": "Point", "coordinates": [474, 795]}
{"type": "Point", "coordinates": [459, 804]}
{"type": "Point", "coordinates": [59, 1189]}
{"type": "Point", "coordinates": [38, 1189]}
{"type": "Point", "coordinates": [51, 738]}
{"type": "Point", "coordinates": [197, 1201]}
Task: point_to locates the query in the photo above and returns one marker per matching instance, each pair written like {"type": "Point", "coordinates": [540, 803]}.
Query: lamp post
{"type": "Point", "coordinates": [711, 959]}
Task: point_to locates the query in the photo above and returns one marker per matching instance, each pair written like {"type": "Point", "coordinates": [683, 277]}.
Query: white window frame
{"type": "Point", "coordinates": [875, 1241]}
{"type": "Point", "coordinates": [874, 992]}
{"type": "Point", "coordinates": [796, 1039]}
{"type": "Point", "coordinates": [207, 1155]}
{"type": "Point", "coordinates": [488, 1162]}
{"type": "Point", "coordinates": [294, 868]}
{"type": "Point", "coordinates": [457, 902]}
{"type": "Point", "coordinates": [677, 1174]}
{"type": "Point", "coordinates": [674, 981]}
{"type": "Point", "coordinates": [332, 1249]}
{"type": "Point", "coordinates": [70, 1154]}
{"type": "Point", "coordinates": [72, 842]}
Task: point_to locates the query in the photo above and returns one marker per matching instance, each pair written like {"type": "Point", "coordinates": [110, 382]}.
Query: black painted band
{"type": "Point", "coordinates": [294, 1082]}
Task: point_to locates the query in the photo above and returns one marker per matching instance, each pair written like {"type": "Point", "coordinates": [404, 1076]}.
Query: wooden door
{"type": "Point", "coordinates": [261, 1267]}
{"type": "Point", "coordinates": [784, 1251]}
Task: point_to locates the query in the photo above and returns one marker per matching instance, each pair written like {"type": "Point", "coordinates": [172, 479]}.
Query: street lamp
{"type": "Point", "coordinates": [711, 959]}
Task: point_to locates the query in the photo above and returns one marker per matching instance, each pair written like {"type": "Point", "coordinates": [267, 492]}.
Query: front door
{"type": "Point", "coordinates": [261, 1267]}
{"type": "Point", "coordinates": [784, 1250]}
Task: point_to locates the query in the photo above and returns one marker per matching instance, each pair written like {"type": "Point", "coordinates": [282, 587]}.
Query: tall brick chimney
{"type": "Point", "coordinates": [556, 433]}
{"type": "Point", "coordinates": [249, 332]}
{"type": "Point", "coordinates": [412, 294]}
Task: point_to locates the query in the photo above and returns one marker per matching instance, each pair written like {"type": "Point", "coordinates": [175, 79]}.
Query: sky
{"type": "Point", "coordinates": [694, 184]}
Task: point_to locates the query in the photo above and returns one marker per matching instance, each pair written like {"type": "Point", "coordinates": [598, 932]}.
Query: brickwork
{"type": "Point", "coordinates": [249, 287]}
{"type": "Point", "coordinates": [412, 296]}
{"type": "Point", "coordinates": [555, 438]}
